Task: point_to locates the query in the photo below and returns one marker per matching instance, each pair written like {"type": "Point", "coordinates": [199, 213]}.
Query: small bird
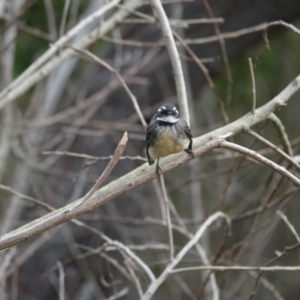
{"type": "Point", "coordinates": [167, 133]}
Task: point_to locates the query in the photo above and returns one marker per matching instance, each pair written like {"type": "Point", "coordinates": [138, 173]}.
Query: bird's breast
{"type": "Point", "coordinates": [167, 142]}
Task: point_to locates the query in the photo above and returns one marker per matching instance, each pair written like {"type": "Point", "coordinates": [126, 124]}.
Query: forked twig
{"type": "Point", "coordinates": [170, 267]}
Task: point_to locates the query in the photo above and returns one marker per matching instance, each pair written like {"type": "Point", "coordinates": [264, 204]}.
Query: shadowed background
{"type": "Point", "coordinates": [40, 120]}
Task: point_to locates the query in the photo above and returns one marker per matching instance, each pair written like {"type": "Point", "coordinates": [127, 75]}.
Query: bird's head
{"type": "Point", "coordinates": [167, 113]}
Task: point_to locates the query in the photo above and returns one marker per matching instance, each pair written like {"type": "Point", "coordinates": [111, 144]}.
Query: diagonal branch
{"type": "Point", "coordinates": [156, 284]}
{"type": "Point", "coordinates": [59, 43]}
{"type": "Point", "coordinates": [120, 78]}
{"type": "Point", "coordinates": [48, 62]}
{"type": "Point", "coordinates": [115, 158]}
{"type": "Point", "coordinates": [145, 172]}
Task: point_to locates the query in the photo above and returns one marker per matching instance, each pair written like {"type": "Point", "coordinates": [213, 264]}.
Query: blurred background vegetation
{"type": "Point", "coordinates": [30, 270]}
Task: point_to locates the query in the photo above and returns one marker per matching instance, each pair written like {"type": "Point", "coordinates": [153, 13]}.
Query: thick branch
{"type": "Point", "coordinates": [145, 172]}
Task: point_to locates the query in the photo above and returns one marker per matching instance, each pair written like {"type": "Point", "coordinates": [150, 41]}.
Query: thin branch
{"type": "Point", "coordinates": [122, 81]}
{"type": "Point", "coordinates": [282, 134]}
{"type": "Point", "coordinates": [290, 26]}
{"type": "Point", "coordinates": [281, 170]}
{"type": "Point", "coordinates": [119, 294]}
{"type": "Point", "coordinates": [205, 73]}
{"type": "Point", "coordinates": [50, 18]}
{"type": "Point", "coordinates": [272, 146]}
{"type": "Point", "coordinates": [167, 217]}
{"type": "Point", "coordinates": [30, 199]}
{"type": "Point", "coordinates": [135, 279]}
{"type": "Point", "coordinates": [289, 224]}
{"type": "Point", "coordinates": [277, 258]}
{"type": "Point", "coordinates": [93, 158]}
{"type": "Point", "coordinates": [175, 22]}
{"type": "Point", "coordinates": [184, 287]}
{"type": "Point", "coordinates": [238, 268]}
{"type": "Point", "coordinates": [252, 84]}
{"type": "Point", "coordinates": [115, 158]}
{"type": "Point", "coordinates": [268, 286]}
{"type": "Point", "coordinates": [223, 51]}
{"type": "Point", "coordinates": [215, 293]}
{"type": "Point", "coordinates": [198, 41]}
{"type": "Point", "coordinates": [157, 283]}
{"type": "Point", "coordinates": [196, 59]}
{"type": "Point", "coordinates": [61, 281]}
{"type": "Point", "coordinates": [175, 58]}
{"type": "Point", "coordinates": [64, 17]}
{"type": "Point", "coordinates": [135, 258]}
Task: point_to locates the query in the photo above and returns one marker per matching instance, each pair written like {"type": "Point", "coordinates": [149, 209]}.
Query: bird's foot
{"type": "Point", "coordinates": [190, 152]}
{"type": "Point", "coordinates": [158, 170]}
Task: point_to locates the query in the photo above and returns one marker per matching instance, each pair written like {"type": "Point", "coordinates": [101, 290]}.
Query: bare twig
{"type": "Point", "coordinates": [168, 217]}
{"type": "Point", "coordinates": [64, 17]}
{"type": "Point", "coordinates": [215, 293]}
{"type": "Point", "coordinates": [281, 170]}
{"type": "Point", "coordinates": [238, 268]}
{"type": "Point", "coordinates": [175, 22]}
{"type": "Point", "coordinates": [198, 41]}
{"type": "Point", "coordinates": [269, 286]}
{"type": "Point", "coordinates": [175, 59]}
{"type": "Point", "coordinates": [277, 268]}
{"type": "Point", "coordinates": [223, 51]}
{"type": "Point", "coordinates": [50, 18]}
{"type": "Point", "coordinates": [163, 276]}
{"type": "Point", "coordinates": [253, 85]}
{"type": "Point", "coordinates": [93, 158]}
{"type": "Point", "coordinates": [115, 158]}
{"type": "Point", "coordinates": [290, 26]}
{"type": "Point", "coordinates": [30, 199]}
{"type": "Point", "coordinates": [272, 146]}
{"type": "Point", "coordinates": [205, 73]}
{"type": "Point", "coordinates": [282, 134]}
{"type": "Point", "coordinates": [61, 280]}
{"type": "Point", "coordinates": [122, 81]}
{"type": "Point", "coordinates": [135, 258]}
{"type": "Point", "coordinates": [289, 224]}
{"type": "Point", "coordinates": [134, 278]}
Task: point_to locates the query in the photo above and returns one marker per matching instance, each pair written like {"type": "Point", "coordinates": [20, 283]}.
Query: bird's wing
{"type": "Point", "coordinates": [183, 124]}
{"type": "Point", "coordinates": [149, 137]}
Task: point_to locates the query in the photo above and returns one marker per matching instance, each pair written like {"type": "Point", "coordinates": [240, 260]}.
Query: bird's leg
{"type": "Point", "coordinates": [190, 152]}
{"type": "Point", "coordinates": [158, 169]}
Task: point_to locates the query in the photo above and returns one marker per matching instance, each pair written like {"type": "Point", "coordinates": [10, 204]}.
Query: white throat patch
{"type": "Point", "coordinates": [168, 119]}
